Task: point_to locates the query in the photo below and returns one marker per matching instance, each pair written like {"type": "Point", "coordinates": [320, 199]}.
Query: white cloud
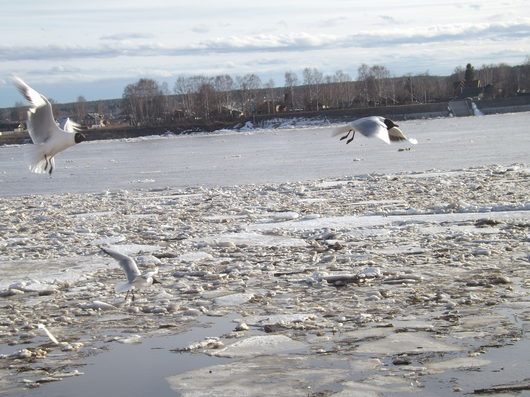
{"type": "Point", "coordinates": [200, 28]}
{"type": "Point", "coordinates": [161, 40]}
{"type": "Point", "coordinates": [119, 46]}
{"type": "Point", "coordinates": [126, 36]}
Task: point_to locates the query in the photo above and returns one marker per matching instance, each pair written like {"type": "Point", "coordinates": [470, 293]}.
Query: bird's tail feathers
{"type": "Point", "coordinates": [35, 158]}
{"type": "Point", "coordinates": [122, 287]}
{"type": "Point", "coordinates": [413, 141]}
{"type": "Point", "coordinates": [341, 130]}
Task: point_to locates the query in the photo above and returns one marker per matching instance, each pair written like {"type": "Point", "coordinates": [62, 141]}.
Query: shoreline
{"type": "Point", "coordinates": [186, 127]}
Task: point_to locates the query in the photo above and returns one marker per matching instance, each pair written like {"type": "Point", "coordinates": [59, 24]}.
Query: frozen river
{"type": "Point", "coordinates": [263, 156]}
{"type": "Point", "coordinates": [409, 284]}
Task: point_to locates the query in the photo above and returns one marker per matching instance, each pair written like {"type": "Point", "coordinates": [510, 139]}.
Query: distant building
{"type": "Point", "coordinates": [470, 89]}
{"type": "Point", "coordinates": [94, 120]}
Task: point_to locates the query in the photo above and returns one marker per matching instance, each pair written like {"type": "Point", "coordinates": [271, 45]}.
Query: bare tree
{"type": "Point", "coordinates": [184, 91]}
{"type": "Point", "coordinates": [344, 94]}
{"type": "Point", "coordinates": [271, 101]}
{"type": "Point", "coordinates": [380, 75]}
{"type": "Point", "coordinates": [102, 108]}
{"type": "Point", "coordinates": [365, 80]}
{"type": "Point", "coordinates": [144, 102]}
{"type": "Point", "coordinates": [409, 88]}
{"type": "Point", "coordinates": [206, 101]}
{"type": "Point", "coordinates": [80, 109]}
{"type": "Point", "coordinates": [248, 86]}
{"type": "Point", "coordinates": [313, 79]}
{"type": "Point", "coordinates": [188, 88]}
{"type": "Point", "coordinates": [224, 84]}
{"type": "Point", "coordinates": [291, 80]}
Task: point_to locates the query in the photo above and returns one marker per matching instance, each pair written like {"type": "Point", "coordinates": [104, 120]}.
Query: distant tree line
{"type": "Point", "coordinates": [223, 97]}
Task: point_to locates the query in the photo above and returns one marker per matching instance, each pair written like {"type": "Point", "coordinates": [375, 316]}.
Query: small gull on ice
{"type": "Point", "coordinates": [46, 135]}
{"type": "Point", "coordinates": [135, 279]}
{"type": "Point", "coordinates": [374, 126]}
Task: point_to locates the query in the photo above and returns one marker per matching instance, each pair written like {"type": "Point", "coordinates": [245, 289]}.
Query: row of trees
{"type": "Point", "coordinates": [223, 97]}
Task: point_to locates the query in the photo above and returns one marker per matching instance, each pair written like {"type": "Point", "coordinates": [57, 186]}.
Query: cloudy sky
{"type": "Point", "coordinates": [95, 48]}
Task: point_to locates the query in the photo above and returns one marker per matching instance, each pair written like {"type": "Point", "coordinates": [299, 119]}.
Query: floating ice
{"type": "Point", "coordinates": [259, 345]}
{"type": "Point", "coordinates": [195, 257]}
{"type": "Point", "coordinates": [254, 239]}
{"type": "Point", "coordinates": [406, 342]}
{"type": "Point", "coordinates": [233, 299]}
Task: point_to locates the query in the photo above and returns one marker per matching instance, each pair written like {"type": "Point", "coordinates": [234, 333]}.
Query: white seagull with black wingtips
{"type": "Point", "coordinates": [374, 127]}
{"type": "Point", "coordinates": [135, 279]}
{"type": "Point", "coordinates": [46, 135]}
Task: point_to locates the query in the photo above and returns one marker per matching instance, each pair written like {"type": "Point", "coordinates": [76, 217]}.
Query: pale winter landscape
{"type": "Point", "coordinates": [290, 264]}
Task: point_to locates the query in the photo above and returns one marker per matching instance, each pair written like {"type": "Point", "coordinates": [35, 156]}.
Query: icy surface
{"type": "Point", "coordinates": [399, 273]}
{"type": "Point", "coordinates": [267, 155]}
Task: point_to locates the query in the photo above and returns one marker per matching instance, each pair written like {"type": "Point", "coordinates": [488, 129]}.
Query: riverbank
{"type": "Point", "coordinates": [402, 112]}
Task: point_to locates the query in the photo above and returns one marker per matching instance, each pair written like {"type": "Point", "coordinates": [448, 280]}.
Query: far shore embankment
{"type": "Point", "coordinates": [398, 112]}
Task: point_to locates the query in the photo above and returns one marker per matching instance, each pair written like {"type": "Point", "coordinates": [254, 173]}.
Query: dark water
{"type": "Point", "coordinates": [509, 364]}
{"type": "Point", "coordinates": [137, 369]}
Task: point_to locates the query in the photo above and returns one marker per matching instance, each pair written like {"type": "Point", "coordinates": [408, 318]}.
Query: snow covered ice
{"type": "Point", "coordinates": [391, 274]}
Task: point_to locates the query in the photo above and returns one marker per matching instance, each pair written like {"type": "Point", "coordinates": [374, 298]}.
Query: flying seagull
{"type": "Point", "coordinates": [135, 279]}
{"type": "Point", "coordinates": [47, 137]}
{"type": "Point", "coordinates": [374, 126]}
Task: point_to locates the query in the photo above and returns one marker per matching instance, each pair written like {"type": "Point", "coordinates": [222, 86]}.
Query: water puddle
{"type": "Point", "coordinates": [139, 369]}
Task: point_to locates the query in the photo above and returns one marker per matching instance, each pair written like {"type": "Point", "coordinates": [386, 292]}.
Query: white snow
{"type": "Point", "coordinates": [270, 155]}
{"type": "Point", "coordinates": [259, 345]}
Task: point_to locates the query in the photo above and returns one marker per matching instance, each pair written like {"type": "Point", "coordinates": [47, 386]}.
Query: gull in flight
{"type": "Point", "coordinates": [47, 137]}
{"type": "Point", "coordinates": [135, 279]}
{"type": "Point", "coordinates": [374, 126]}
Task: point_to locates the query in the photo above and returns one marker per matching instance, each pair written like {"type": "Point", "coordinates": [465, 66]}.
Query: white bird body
{"type": "Point", "coordinates": [135, 279]}
{"type": "Point", "coordinates": [48, 138]}
{"type": "Point", "coordinates": [374, 127]}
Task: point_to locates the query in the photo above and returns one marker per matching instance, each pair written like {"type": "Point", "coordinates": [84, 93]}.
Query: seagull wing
{"type": "Point", "coordinates": [41, 124]}
{"type": "Point", "coordinates": [395, 134]}
{"type": "Point", "coordinates": [341, 130]}
{"type": "Point", "coordinates": [127, 263]}
{"type": "Point", "coordinates": [70, 126]}
{"type": "Point", "coordinates": [50, 335]}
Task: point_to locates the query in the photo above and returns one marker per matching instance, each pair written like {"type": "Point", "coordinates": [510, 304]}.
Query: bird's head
{"type": "Point", "coordinates": [390, 124]}
{"type": "Point", "coordinates": [79, 137]}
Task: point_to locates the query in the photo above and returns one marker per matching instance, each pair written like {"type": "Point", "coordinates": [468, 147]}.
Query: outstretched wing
{"type": "Point", "coordinates": [341, 130]}
{"type": "Point", "coordinates": [41, 124]}
{"type": "Point", "coordinates": [127, 263]}
{"type": "Point", "coordinates": [48, 333]}
{"type": "Point", "coordinates": [395, 134]}
{"type": "Point", "coordinates": [70, 126]}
